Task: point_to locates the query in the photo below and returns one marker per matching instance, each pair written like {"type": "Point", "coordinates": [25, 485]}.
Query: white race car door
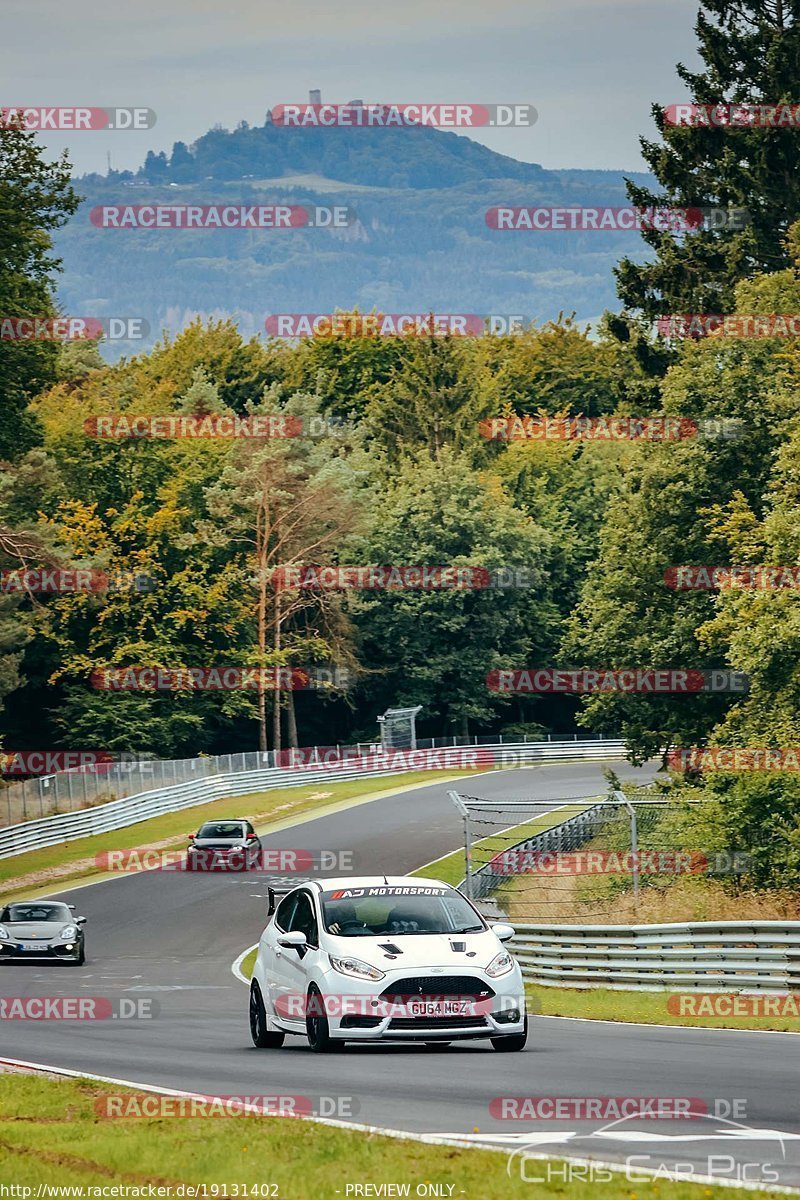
{"type": "Point", "coordinates": [290, 976]}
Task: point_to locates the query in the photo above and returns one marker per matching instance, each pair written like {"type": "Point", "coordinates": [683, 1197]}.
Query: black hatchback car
{"type": "Point", "coordinates": [42, 929]}
{"type": "Point", "coordinates": [224, 846]}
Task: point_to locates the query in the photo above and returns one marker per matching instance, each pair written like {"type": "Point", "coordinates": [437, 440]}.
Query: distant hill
{"type": "Point", "coordinates": [420, 241]}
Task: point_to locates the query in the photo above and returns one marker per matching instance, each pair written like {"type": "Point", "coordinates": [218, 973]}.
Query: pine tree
{"type": "Point", "coordinates": [751, 52]}
{"type": "Point", "coordinates": [36, 198]}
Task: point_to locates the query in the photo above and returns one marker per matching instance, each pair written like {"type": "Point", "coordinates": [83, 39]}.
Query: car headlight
{"type": "Point", "coordinates": [236, 849]}
{"type": "Point", "coordinates": [68, 933]}
{"type": "Point", "coordinates": [355, 967]}
{"type": "Point", "coordinates": [501, 964]}
{"type": "Point", "coordinates": [3, 934]}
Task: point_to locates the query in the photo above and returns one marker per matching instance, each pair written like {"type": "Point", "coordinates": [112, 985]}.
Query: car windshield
{"type": "Point", "coordinates": [36, 912]}
{"type": "Point", "coordinates": [222, 829]}
{"type": "Point", "coordinates": [395, 911]}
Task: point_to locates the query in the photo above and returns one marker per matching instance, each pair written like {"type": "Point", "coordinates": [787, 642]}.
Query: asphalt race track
{"type": "Point", "coordinates": [170, 938]}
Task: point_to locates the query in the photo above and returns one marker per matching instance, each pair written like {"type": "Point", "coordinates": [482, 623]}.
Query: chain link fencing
{"type": "Point", "coordinates": [588, 860]}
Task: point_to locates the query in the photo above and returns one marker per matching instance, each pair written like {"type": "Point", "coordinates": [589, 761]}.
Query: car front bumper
{"type": "Point", "coordinates": [357, 1011]}
{"type": "Point", "coordinates": [46, 950]}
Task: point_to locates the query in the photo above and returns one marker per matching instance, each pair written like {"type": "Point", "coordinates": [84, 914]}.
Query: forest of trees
{"type": "Point", "coordinates": [393, 469]}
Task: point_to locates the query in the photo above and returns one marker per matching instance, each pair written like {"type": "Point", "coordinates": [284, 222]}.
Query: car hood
{"type": "Point", "coordinates": [20, 930]}
{"type": "Point", "coordinates": [421, 950]}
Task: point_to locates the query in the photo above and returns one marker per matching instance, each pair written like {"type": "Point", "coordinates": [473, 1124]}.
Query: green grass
{"type": "Point", "coordinates": [40, 869]}
{"type": "Point", "coordinates": [648, 1008]}
{"type": "Point", "coordinates": [450, 868]}
{"type": "Point", "coordinates": [248, 962]}
{"type": "Point", "coordinates": [51, 1133]}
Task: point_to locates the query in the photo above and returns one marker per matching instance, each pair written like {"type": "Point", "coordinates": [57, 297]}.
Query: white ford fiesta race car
{"type": "Point", "coordinates": [384, 959]}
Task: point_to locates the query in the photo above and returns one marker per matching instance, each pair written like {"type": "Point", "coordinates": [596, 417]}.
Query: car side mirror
{"type": "Point", "coordinates": [191, 836]}
{"type": "Point", "coordinates": [503, 931]}
{"type": "Point", "coordinates": [71, 907]}
{"type": "Point", "coordinates": [293, 941]}
{"type": "Point", "coordinates": [80, 920]}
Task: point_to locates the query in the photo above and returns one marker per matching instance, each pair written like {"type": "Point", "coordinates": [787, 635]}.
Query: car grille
{"type": "Point", "coordinates": [439, 985]}
{"type": "Point", "coordinates": [438, 1023]}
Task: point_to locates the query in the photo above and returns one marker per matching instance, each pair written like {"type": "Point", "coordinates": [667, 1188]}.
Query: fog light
{"type": "Point", "coordinates": [69, 946]}
{"type": "Point", "coordinates": [508, 1017]}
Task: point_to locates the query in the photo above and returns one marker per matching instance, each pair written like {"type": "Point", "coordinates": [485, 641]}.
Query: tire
{"type": "Point", "coordinates": [81, 959]}
{"type": "Point", "coordinates": [511, 1041]}
{"type": "Point", "coordinates": [317, 1027]}
{"type": "Point", "coordinates": [263, 1038]}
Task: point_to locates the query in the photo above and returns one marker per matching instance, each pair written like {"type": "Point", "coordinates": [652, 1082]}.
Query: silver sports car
{"type": "Point", "coordinates": [42, 929]}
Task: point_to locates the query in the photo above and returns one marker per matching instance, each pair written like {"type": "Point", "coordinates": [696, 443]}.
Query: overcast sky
{"type": "Point", "coordinates": [591, 68]}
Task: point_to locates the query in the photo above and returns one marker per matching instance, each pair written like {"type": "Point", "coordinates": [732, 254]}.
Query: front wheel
{"type": "Point", "coordinates": [262, 1037]}
{"type": "Point", "coordinates": [318, 1030]}
{"type": "Point", "coordinates": [511, 1041]}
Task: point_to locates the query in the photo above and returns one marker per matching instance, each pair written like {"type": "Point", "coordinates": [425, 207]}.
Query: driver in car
{"type": "Point", "coordinates": [345, 919]}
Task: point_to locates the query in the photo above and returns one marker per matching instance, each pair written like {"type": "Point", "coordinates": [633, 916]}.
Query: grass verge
{"type": "Point", "coordinates": [51, 1134]}
{"type": "Point", "coordinates": [248, 962]}
{"type": "Point", "coordinates": [69, 861]}
{"type": "Point", "coordinates": [650, 1008]}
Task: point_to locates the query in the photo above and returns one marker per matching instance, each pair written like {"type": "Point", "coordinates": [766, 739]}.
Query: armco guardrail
{"type": "Point", "coordinates": [83, 787]}
{"type": "Point", "coordinates": [117, 814]}
{"type": "Point", "coordinates": [697, 956]}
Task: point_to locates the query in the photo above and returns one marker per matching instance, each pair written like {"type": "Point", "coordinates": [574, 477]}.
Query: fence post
{"type": "Point", "coordinates": [623, 799]}
{"type": "Point", "coordinates": [462, 808]}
